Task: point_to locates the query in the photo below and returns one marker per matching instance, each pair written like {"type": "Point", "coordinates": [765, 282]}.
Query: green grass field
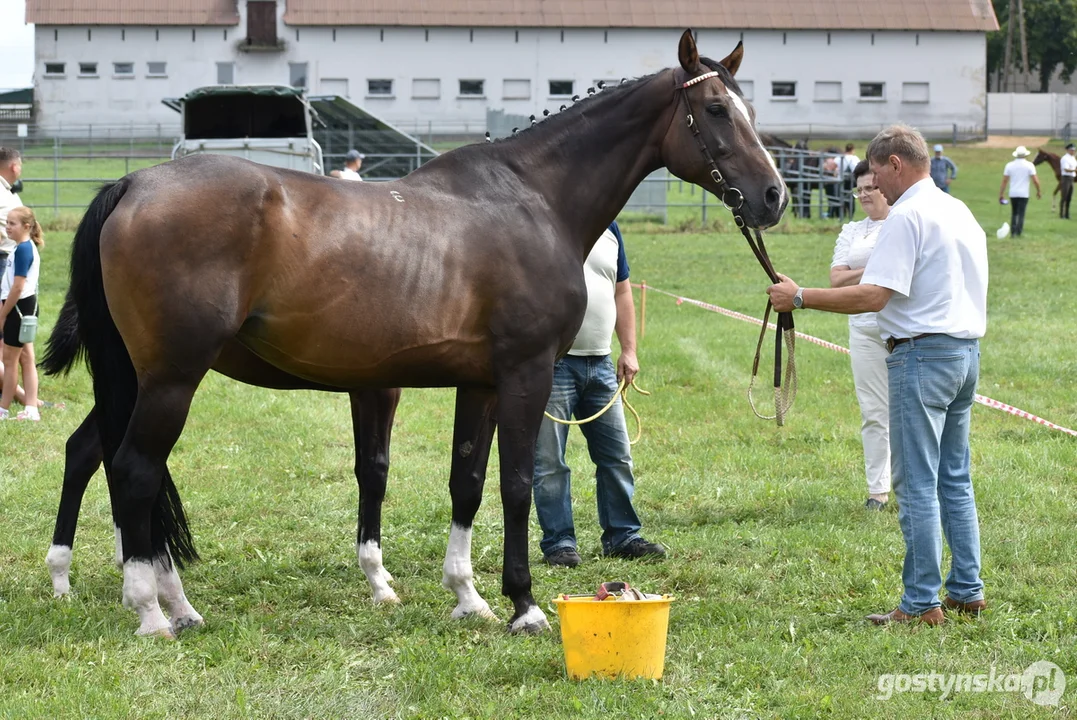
{"type": "Point", "coordinates": [773, 560]}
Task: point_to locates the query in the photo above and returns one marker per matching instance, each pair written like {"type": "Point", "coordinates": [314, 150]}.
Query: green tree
{"type": "Point", "coordinates": [1051, 27]}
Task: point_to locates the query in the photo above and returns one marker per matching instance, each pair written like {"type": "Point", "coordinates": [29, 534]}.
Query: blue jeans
{"type": "Point", "coordinates": [581, 387]}
{"type": "Point", "coordinates": [932, 384]}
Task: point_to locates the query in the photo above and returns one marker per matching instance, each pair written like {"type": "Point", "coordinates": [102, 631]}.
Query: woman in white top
{"type": "Point", "coordinates": [19, 292]}
{"type": "Point", "coordinates": [866, 346]}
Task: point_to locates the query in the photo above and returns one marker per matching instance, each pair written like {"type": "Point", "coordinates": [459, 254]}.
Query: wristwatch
{"type": "Point", "coordinates": [798, 299]}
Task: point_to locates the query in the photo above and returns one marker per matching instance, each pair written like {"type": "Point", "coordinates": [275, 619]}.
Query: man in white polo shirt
{"type": "Point", "coordinates": [10, 170]}
{"type": "Point", "coordinates": [1068, 168]}
{"type": "Point", "coordinates": [927, 279]}
{"type": "Point", "coordinates": [1018, 173]}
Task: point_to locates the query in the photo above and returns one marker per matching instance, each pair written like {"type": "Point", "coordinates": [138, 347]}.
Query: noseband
{"type": "Point", "coordinates": [782, 401]}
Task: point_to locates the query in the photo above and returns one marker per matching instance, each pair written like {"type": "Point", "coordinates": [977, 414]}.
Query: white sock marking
{"type": "Point", "coordinates": [531, 621]}
{"type": "Point", "coordinates": [458, 576]}
{"type": "Point", "coordinates": [369, 554]}
{"type": "Point", "coordinates": [170, 590]}
{"type": "Point", "coordinates": [59, 562]}
{"type": "Point", "coordinates": [119, 548]}
{"type": "Point", "coordinates": [140, 595]}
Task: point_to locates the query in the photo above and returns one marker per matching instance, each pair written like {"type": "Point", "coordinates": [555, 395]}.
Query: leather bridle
{"type": "Point", "coordinates": [782, 401]}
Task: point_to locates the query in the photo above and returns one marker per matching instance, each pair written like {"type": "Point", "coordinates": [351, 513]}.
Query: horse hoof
{"type": "Point", "coordinates": [388, 598]}
{"type": "Point", "coordinates": [164, 633]}
{"type": "Point", "coordinates": [481, 610]}
{"type": "Point", "coordinates": [187, 623]}
{"type": "Point", "coordinates": [532, 622]}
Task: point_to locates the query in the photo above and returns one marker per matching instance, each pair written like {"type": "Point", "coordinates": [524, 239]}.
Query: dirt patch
{"type": "Point", "coordinates": [1011, 141]}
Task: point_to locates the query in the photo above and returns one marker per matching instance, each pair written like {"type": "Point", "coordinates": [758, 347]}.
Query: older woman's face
{"type": "Point", "coordinates": [870, 198]}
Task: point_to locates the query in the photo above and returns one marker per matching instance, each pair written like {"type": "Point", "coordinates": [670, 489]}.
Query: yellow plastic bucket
{"type": "Point", "coordinates": [613, 638]}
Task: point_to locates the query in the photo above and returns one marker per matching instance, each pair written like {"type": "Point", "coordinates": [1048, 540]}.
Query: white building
{"type": "Point", "coordinates": [440, 64]}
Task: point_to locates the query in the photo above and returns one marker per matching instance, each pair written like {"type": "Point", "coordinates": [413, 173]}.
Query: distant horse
{"type": "Point", "coordinates": [467, 273]}
{"type": "Point", "coordinates": [1055, 161]}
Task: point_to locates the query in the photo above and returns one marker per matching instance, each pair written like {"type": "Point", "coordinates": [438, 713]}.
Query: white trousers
{"type": "Point", "coordinates": [869, 354]}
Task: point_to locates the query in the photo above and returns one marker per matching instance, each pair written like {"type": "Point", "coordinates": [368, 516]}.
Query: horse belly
{"type": "Point", "coordinates": [356, 353]}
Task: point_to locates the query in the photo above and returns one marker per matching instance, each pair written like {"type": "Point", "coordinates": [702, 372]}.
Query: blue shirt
{"type": "Point", "coordinates": [940, 168]}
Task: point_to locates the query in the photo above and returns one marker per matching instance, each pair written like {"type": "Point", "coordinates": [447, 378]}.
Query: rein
{"type": "Point", "coordinates": [783, 398]}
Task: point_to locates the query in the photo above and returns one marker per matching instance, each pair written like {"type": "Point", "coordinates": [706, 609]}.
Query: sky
{"type": "Point", "coordinates": [16, 47]}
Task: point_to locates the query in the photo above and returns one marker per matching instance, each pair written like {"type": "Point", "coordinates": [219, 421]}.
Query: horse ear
{"type": "Point", "coordinates": [731, 62]}
{"type": "Point", "coordinates": [687, 53]}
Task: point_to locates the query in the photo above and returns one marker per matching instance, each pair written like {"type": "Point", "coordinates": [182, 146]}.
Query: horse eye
{"type": "Point", "coordinates": [717, 109]}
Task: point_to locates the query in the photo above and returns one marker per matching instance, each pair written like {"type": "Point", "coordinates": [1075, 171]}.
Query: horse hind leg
{"type": "Point", "coordinates": [373, 412]}
{"type": "Point", "coordinates": [473, 434]}
{"type": "Point", "coordinates": [150, 516]}
{"type": "Point", "coordinates": [83, 458]}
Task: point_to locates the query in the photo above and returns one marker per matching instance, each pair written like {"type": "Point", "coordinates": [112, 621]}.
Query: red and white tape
{"type": "Point", "coordinates": [982, 399]}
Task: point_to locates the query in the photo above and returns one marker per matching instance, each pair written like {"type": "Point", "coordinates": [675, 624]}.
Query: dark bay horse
{"type": "Point", "coordinates": [1055, 163]}
{"type": "Point", "coordinates": [467, 274]}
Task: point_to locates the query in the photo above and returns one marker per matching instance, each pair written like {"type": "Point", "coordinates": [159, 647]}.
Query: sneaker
{"type": "Point", "coordinates": [638, 548]}
{"type": "Point", "coordinates": [875, 505]}
{"type": "Point", "coordinates": [5, 415]}
{"type": "Point", "coordinates": [563, 557]}
{"type": "Point", "coordinates": [29, 414]}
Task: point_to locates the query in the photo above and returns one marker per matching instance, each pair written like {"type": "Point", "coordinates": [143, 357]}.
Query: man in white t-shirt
{"type": "Point", "coordinates": [1068, 166]}
{"type": "Point", "coordinates": [927, 280]}
{"type": "Point", "coordinates": [352, 162]}
{"type": "Point", "coordinates": [1018, 173]}
{"type": "Point", "coordinates": [585, 381]}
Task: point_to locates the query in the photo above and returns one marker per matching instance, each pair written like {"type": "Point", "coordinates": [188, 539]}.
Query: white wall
{"type": "Point", "coordinates": [952, 63]}
{"type": "Point", "coordinates": [1016, 113]}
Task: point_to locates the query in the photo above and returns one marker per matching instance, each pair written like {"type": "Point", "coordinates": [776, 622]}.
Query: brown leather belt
{"type": "Point", "coordinates": [893, 342]}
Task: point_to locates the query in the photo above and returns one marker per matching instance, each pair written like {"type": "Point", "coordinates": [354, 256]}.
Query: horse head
{"type": "Point", "coordinates": [716, 145]}
{"type": "Point", "coordinates": [1041, 156]}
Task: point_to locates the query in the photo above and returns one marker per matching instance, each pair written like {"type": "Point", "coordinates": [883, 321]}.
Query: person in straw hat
{"type": "Point", "coordinates": [1018, 173]}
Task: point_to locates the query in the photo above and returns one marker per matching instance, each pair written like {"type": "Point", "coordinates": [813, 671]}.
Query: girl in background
{"type": "Point", "coordinates": [18, 291]}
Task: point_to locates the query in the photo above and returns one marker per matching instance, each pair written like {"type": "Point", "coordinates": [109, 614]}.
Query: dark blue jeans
{"type": "Point", "coordinates": [932, 385]}
{"type": "Point", "coordinates": [1017, 215]}
{"type": "Point", "coordinates": [581, 387]}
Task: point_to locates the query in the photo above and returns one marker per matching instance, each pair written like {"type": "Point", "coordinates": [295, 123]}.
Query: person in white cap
{"type": "Point", "coordinates": [352, 162]}
{"type": "Point", "coordinates": [1018, 173]}
{"type": "Point", "coordinates": [943, 170]}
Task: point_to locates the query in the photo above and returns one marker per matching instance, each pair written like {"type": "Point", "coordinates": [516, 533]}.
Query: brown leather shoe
{"type": "Point", "coordinates": [933, 616]}
{"type": "Point", "coordinates": [969, 608]}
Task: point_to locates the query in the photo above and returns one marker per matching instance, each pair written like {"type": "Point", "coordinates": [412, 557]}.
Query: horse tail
{"type": "Point", "coordinates": [86, 328]}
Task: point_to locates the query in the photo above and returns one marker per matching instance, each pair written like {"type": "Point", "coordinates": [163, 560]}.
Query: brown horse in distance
{"type": "Point", "coordinates": [466, 273]}
{"type": "Point", "coordinates": [1055, 161]}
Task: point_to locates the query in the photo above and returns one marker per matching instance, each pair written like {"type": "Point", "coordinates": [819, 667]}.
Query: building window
{"type": "Point", "coordinates": [297, 74]}
{"type": "Point", "coordinates": [226, 73]}
{"type": "Point", "coordinates": [54, 69]}
{"type": "Point", "coordinates": [262, 22]}
{"type": "Point", "coordinates": [872, 90]}
{"type": "Point", "coordinates": [561, 88]}
{"type": "Point", "coordinates": [379, 87]}
{"type": "Point", "coordinates": [783, 90]}
{"type": "Point", "coordinates": [123, 69]}
{"type": "Point", "coordinates": [425, 89]}
{"type": "Point", "coordinates": [471, 88]}
{"type": "Point", "coordinates": [87, 69]}
{"type": "Point", "coordinates": [827, 92]}
{"type": "Point", "coordinates": [516, 90]}
{"type": "Point", "coordinates": [156, 69]}
{"type": "Point", "coordinates": [915, 92]}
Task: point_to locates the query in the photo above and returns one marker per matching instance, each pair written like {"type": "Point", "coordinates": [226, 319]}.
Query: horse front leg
{"type": "Point", "coordinates": [473, 434]}
{"type": "Point", "coordinates": [83, 457]}
{"type": "Point", "coordinates": [373, 412]}
{"type": "Point", "coordinates": [522, 394]}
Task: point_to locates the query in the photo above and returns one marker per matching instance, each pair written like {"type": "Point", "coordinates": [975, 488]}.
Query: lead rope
{"type": "Point", "coordinates": [622, 392]}
{"type": "Point", "coordinates": [783, 397]}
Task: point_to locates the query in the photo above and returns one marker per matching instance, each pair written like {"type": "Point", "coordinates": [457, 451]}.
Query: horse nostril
{"type": "Point", "coordinates": [773, 195]}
